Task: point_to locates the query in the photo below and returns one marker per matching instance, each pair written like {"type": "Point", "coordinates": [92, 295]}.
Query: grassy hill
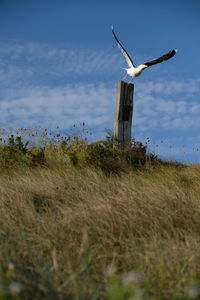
{"type": "Point", "coordinates": [82, 221]}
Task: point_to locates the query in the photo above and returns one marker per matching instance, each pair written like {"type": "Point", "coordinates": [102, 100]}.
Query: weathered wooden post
{"type": "Point", "coordinates": [123, 113]}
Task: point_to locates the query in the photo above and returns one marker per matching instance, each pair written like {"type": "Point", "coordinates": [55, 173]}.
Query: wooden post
{"type": "Point", "coordinates": [123, 113]}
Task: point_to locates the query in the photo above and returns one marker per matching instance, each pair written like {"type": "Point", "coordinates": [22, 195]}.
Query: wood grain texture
{"type": "Point", "coordinates": [123, 113]}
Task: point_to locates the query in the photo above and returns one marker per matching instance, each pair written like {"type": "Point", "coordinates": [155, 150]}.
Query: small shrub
{"type": "Point", "coordinates": [102, 155]}
{"type": "Point", "coordinates": [38, 157]}
{"type": "Point", "coordinates": [112, 160]}
{"type": "Point", "coordinates": [15, 153]}
{"type": "Point", "coordinates": [73, 158]}
{"type": "Point", "coordinates": [10, 158]}
{"type": "Point", "coordinates": [16, 144]}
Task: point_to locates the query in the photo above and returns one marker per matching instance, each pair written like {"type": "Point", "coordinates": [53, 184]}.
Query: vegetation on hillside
{"type": "Point", "coordinates": [89, 221]}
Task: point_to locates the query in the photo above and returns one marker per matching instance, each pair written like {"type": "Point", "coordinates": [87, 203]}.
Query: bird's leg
{"type": "Point", "coordinates": [131, 81]}
{"type": "Point", "coordinates": [124, 77]}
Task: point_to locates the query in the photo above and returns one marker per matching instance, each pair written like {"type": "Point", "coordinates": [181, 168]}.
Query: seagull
{"type": "Point", "coordinates": [134, 71]}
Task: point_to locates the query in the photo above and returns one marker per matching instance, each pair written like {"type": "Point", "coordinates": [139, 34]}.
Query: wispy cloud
{"type": "Point", "coordinates": [190, 86]}
{"type": "Point", "coordinates": [168, 105]}
{"type": "Point", "coordinates": [50, 107]}
{"type": "Point", "coordinates": [38, 63]}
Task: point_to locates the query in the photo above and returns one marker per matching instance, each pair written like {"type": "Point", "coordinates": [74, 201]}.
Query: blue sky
{"type": "Point", "coordinates": [59, 66]}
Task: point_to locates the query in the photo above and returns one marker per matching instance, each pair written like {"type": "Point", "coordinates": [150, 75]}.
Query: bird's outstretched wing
{"type": "Point", "coordinates": [124, 52]}
{"type": "Point", "coordinates": [161, 59]}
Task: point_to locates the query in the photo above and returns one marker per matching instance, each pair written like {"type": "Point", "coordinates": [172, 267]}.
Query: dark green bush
{"type": "Point", "coordinates": [37, 157]}
{"type": "Point", "coordinates": [16, 144]}
{"type": "Point", "coordinates": [13, 157]}
{"type": "Point", "coordinates": [102, 155]}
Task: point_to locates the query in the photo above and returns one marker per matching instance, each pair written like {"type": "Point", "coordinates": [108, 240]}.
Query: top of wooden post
{"type": "Point", "coordinates": [126, 83]}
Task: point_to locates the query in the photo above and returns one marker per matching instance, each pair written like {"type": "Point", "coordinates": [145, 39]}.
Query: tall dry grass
{"type": "Point", "coordinates": [75, 233]}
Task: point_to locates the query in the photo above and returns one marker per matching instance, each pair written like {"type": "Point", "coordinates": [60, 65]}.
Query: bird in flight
{"type": "Point", "coordinates": [134, 71]}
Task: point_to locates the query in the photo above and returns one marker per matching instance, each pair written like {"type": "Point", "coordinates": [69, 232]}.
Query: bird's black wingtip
{"type": "Point", "coordinates": [174, 51]}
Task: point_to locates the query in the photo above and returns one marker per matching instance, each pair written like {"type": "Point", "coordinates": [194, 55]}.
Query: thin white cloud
{"type": "Point", "coordinates": [50, 107]}
{"type": "Point", "coordinates": [190, 86]}
{"type": "Point", "coordinates": [168, 105]}
{"type": "Point", "coordinates": [94, 105]}
{"type": "Point", "coordinates": [40, 62]}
